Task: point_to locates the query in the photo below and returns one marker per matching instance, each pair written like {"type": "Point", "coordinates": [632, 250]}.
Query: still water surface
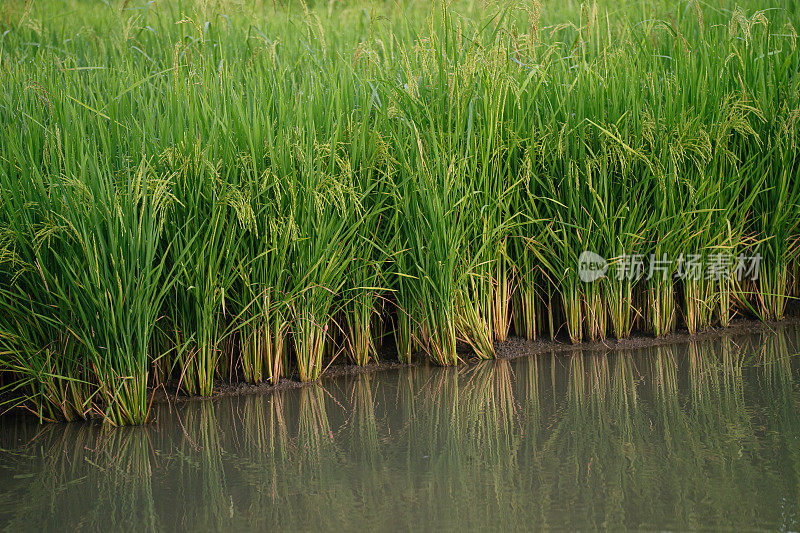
{"type": "Point", "coordinates": [703, 435]}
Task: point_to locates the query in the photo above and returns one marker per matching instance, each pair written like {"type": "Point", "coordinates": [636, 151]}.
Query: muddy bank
{"type": "Point", "coordinates": [519, 347]}
{"type": "Point", "coordinates": [173, 395]}
{"type": "Point", "coordinates": [514, 347]}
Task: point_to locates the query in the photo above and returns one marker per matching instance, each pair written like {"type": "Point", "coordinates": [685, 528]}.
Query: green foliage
{"type": "Point", "coordinates": [196, 191]}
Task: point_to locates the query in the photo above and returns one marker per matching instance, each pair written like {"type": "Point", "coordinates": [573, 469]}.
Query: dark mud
{"type": "Point", "coordinates": [519, 347]}
{"type": "Point", "coordinates": [173, 395]}
{"type": "Point", "coordinates": [514, 347]}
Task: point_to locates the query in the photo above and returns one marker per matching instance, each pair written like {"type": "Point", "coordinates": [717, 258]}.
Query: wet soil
{"type": "Point", "coordinates": [512, 348]}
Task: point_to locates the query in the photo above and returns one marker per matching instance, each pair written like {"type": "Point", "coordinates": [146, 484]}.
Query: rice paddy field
{"type": "Point", "coordinates": [195, 193]}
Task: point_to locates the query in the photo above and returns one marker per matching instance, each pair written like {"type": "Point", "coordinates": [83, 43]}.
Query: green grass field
{"type": "Point", "coordinates": [226, 190]}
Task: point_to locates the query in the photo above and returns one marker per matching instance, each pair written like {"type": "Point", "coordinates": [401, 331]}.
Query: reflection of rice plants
{"type": "Point", "coordinates": [81, 470]}
{"type": "Point", "coordinates": [201, 471]}
{"type": "Point", "coordinates": [671, 436]}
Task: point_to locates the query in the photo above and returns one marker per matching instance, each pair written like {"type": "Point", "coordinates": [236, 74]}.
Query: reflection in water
{"type": "Point", "coordinates": [89, 477]}
{"type": "Point", "coordinates": [704, 435]}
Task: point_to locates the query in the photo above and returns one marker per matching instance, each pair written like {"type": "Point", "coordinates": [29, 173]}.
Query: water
{"type": "Point", "coordinates": [704, 435]}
